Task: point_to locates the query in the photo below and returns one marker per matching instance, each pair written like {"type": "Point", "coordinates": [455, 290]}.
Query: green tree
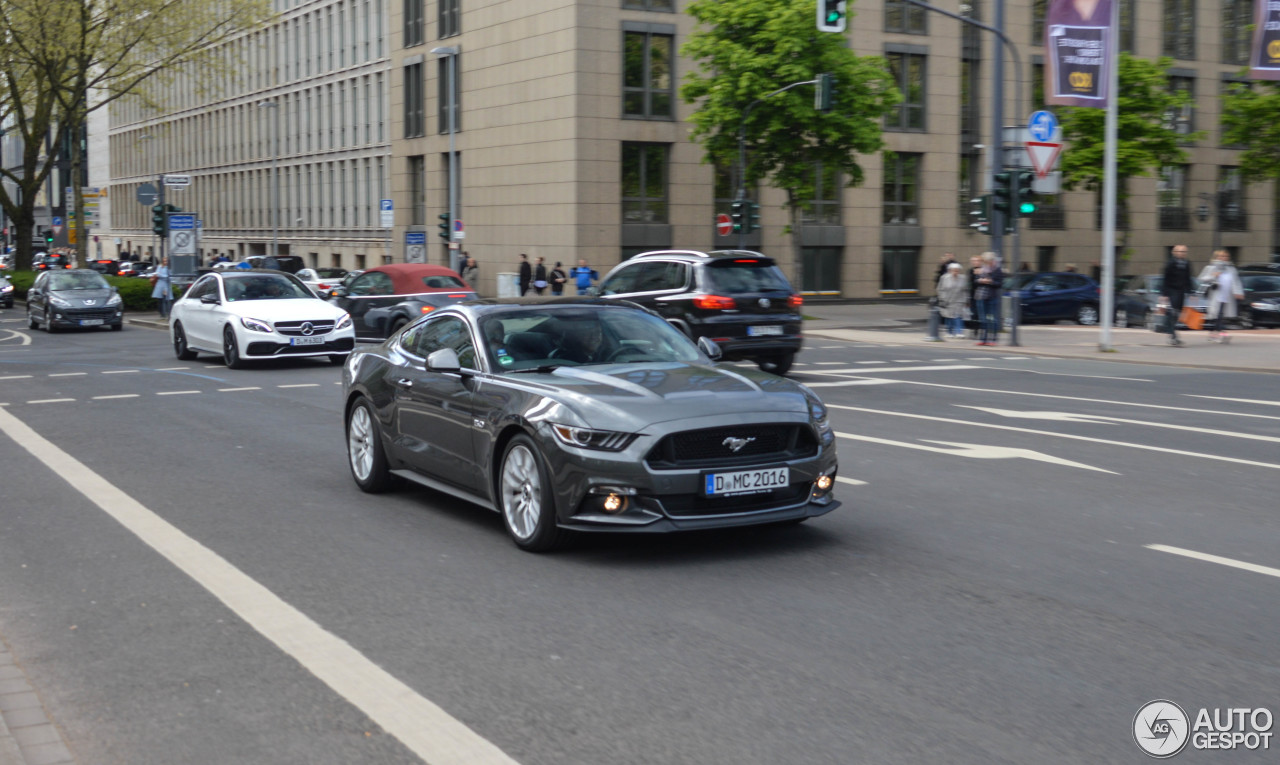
{"type": "Point", "coordinates": [1251, 118]}
{"type": "Point", "coordinates": [1146, 134]}
{"type": "Point", "coordinates": [745, 49]}
{"type": "Point", "coordinates": [81, 55]}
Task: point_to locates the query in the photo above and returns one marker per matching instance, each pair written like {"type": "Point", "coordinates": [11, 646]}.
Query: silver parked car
{"type": "Point", "coordinates": [581, 414]}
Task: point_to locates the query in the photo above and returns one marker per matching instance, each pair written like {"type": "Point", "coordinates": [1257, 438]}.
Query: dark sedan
{"type": "Point", "coordinates": [1053, 296]}
{"type": "Point", "coordinates": [381, 300]}
{"type": "Point", "coordinates": [77, 298]}
{"type": "Point", "coordinates": [584, 415]}
{"type": "Point", "coordinates": [6, 292]}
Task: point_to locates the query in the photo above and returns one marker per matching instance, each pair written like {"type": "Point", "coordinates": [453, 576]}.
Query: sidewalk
{"type": "Point", "coordinates": [904, 323]}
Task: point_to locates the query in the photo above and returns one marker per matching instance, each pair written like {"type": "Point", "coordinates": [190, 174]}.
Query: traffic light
{"type": "Point", "coordinates": [1002, 193]}
{"type": "Point", "coordinates": [831, 15]}
{"type": "Point", "coordinates": [824, 92]}
{"type": "Point", "coordinates": [48, 236]}
{"type": "Point", "coordinates": [443, 225]}
{"type": "Point", "coordinates": [1026, 195]}
{"type": "Point", "coordinates": [753, 217]}
{"type": "Point", "coordinates": [159, 220]}
{"type": "Point", "coordinates": [979, 216]}
{"type": "Point", "coordinates": [738, 214]}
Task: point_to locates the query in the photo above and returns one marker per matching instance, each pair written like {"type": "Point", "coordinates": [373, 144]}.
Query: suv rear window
{"type": "Point", "coordinates": [745, 276]}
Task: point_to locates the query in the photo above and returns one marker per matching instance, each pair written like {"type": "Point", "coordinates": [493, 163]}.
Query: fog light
{"type": "Point", "coordinates": [614, 503]}
{"type": "Point", "coordinates": [824, 482]}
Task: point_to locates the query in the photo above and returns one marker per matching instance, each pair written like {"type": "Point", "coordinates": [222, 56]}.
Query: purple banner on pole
{"type": "Point", "coordinates": [1264, 59]}
{"type": "Point", "coordinates": [1078, 43]}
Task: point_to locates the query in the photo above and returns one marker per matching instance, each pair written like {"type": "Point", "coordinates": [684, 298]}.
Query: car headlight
{"type": "Point", "coordinates": [818, 412]}
{"type": "Point", "coordinates": [344, 322]}
{"type": "Point", "coordinates": [586, 438]}
{"type": "Point", "coordinates": [255, 324]}
{"type": "Point", "coordinates": [114, 300]}
{"type": "Point", "coordinates": [55, 300]}
{"type": "Point", "coordinates": [1261, 306]}
{"type": "Point", "coordinates": [7, 288]}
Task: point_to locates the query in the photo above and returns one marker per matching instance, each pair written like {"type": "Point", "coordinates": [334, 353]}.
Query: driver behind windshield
{"type": "Point", "coordinates": [582, 342]}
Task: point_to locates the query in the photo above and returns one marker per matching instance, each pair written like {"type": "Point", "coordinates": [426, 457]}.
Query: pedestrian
{"type": "Point", "coordinates": [975, 264]}
{"type": "Point", "coordinates": [987, 295]}
{"type": "Point", "coordinates": [462, 263]}
{"type": "Point", "coordinates": [943, 263]}
{"type": "Point", "coordinates": [1223, 290]}
{"type": "Point", "coordinates": [540, 275]}
{"type": "Point", "coordinates": [162, 290]}
{"type": "Point", "coordinates": [1069, 268]}
{"type": "Point", "coordinates": [526, 275]}
{"type": "Point", "coordinates": [471, 273]}
{"type": "Point", "coordinates": [558, 279]}
{"type": "Point", "coordinates": [583, 275]}
{"type": "Point", "coordinates": [1174, 288]}
{"type": "Point", "coordinates": [953, 296]}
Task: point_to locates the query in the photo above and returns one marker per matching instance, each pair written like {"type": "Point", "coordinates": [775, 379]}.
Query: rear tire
{"type": "Point", "coordinates": [778, 365]}
{"type": "Point", "coordinates": [180, 347]}
{"type": "Point", "coordinates": [1087, 315]}
{"type": "Point", "coordinates": [365, 457]}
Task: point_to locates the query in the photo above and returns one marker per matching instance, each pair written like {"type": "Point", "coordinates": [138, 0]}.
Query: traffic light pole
{"type": "Point", "coordinates": [160, 201]}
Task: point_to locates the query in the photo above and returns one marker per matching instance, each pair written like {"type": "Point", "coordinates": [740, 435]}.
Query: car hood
{"type": "Point", "coordinates": [628, 397]}
{"type": "Point", "coordinates": [292, 309]}
{"type": "Point", "coordinates": [79, 298]}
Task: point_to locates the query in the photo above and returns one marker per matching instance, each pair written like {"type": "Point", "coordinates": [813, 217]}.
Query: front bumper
{"type": "Point", "coordinates": [261, 345]}
{"type": "Point", "coordinates": [77, 317]}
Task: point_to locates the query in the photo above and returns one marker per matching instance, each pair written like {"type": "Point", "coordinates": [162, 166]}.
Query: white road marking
{"type": "Point", "coordinates": [1104, 420]}
{"type": "Point", "coordinates": [905, 361]}
{"type": "Point", "coordinates": [837, 363]}
{"type": "Point", "coordinates": [171, 369]}
{"type": "Point", "coordinates": [300, 385]}
{"type": "Point", "coordinates": [1254, 567]}
{"type": "Point", "coordinates": [868, 362]}
{"type": "Point", "coordinates": [1015, 358]}
{"type": "Point", "coordinates": [1144, 447]}
{"type": "Point", "coordinates": [215, 366]}
{"type": "Point", "coordinates": [121, 372]}
{"type": "Point", "coordinates": [175, 392]}
{"type": "Point", "coordinates": [977, 451]}
{"type": "Point", "coordinates": [870, 370]}
{"type": "Point", "coordinates": [68, 374]}
{"type": "Point", "coordinates": [847, 383]}
{"type": "Point", "coordinates": [16, 377]}
{"type": "Point", "coordinates": [850, 481]}
{"type": "Point", "coordinates": [233, 390]}
{"type": "Point", "coordinates": [1064, 374]}
{"type": "Point", "coordinates": [1238, 400]}
{"type": "Point", "coordinates": [26, 339]}
{"type": "Point", "coordinates": [50, 400]}
{"type": "Point", "coordinates": [118, 395]}
{"type": "Point", "coordinates": [422, 726]}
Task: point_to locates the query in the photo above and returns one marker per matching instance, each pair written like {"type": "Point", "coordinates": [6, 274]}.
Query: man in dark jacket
{"type": "Point", "coordinates": [1177, 283]}
{"type": "Point", "coordinates": [526, 274]}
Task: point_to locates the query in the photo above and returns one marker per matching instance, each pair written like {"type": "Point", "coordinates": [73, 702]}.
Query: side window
{"type": "Point", "coordinates": [372, 283]}
{"type": "Point", "coordinates": [621, 282]}
{"type": "Point", "coordinates": [674, 277]}
{"type": "Point", "coordinates": [449, 332]}
{"type": "Point", "coordinates": [653, 277]}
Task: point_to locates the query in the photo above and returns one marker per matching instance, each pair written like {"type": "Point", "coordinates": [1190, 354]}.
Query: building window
{"type": "Point", "coordinates": [899, 268]}
{"type": "Point", "coordinates": [646, 77]}
{"type": "Point", "coordinates": [414, 115]}
{"type": "Point", "coordinates": [417, 191]}
{"type": "Point", "coordinates": [1237, 31]}
{"type": "Point", "coordinates": [1044, 257]}
{"type": "Point", "coordinates": [1128, 11]}
{"type": "Point", "coordinates": [1039, 10]}
{"type": "Point", "coordinates": [413, 23]}
{"type": "Point", "coordinates": [1182, 119]}
{"type": "Point", "coordinates": [1171, 198]}
{"type": "Point", "coordinates": [662, 6]}
{"type": "Point", "coordinates": [1180, 29]}
{"type": "Point", "coordinates": [970, 185]}
{"type": "Point", "coordinates": [449, 18]}
{"type": "Point", "coordinates": [970, 107]}
{"type": "Point", "coordinates": [443, 95]}
{"type": "Point", "coordinates": [1231, 212]}
{"type": "Point", "coordinates": [1122, 206]}
{"type": "Point", "coordinates": [644, 182]}
{"type": "Point", "coordinates": [902, 189]}
{"type": "Point", "coordinates": [821, 270]}
{"type": "Point", "coordinates": [901, 16]}
{"type": "Point", "coordinates": [908, 73]}
{"type": "Point", "coordinates": [824, 208]}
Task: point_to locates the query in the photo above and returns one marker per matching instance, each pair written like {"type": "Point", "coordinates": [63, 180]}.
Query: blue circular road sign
{"type": "Point", "coordinates": [1042, 125]}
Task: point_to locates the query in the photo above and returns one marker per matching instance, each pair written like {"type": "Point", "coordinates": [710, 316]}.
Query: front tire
{"type": "Point", "coordinates": [48, 323]}
{"type": "Point", "coordinates": [1087, 315]}
{"type": "Point", "coordinates": [180, 347]}
{"type": "Point", "coordinates": [524, 498]}
{"type": "Point", "coordinates": [1122, 318]}
{"type": "Point", "coordinates": [231, 350]}
{"type": "Point", "coordinates": [364, 450]}
{"type": "Point", "coordinates": [31, 320]}
{"type": "Point", "coordinates": [778, 365]}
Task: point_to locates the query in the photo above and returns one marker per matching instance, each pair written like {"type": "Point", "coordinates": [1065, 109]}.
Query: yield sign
{"type": "Point", "coordinates": [724, 226]}
{"type": "Point", "coordinates": [1044, 155]}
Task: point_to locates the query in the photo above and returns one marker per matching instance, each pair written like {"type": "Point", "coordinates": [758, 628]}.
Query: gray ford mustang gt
{"type": "Point", "coordinates": [584, 415]}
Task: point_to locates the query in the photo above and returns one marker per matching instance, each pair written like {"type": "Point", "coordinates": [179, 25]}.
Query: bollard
{"type": "Point", "coordinates": [935, 320]}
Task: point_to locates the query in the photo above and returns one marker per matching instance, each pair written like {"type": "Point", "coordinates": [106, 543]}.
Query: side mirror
{"type": "Point", "coordinates": [338, 292]}
{"type": "Point", "coordinates": [710, 347]}
{"type": "Point", "coordinates": [443, 360]}
{"type": "Point", "coordinates": [209, 298]}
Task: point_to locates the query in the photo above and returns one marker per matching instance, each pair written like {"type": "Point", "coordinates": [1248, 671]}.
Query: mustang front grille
{"type": "Point", "coordinates": [734, 445]}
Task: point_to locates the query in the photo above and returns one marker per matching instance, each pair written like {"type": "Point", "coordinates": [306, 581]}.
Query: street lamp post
{"type": "Point", "coordinates": [275, 177]}
{"type": "Point", "coordinates": [452, 53]}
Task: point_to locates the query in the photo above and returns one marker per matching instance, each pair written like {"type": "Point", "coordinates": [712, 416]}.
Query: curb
{"type": "Point", "coordinates": [27, 735]}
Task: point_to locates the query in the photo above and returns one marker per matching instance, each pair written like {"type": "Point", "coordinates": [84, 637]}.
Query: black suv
{"type": "Point", "coordinates": [738, 298]}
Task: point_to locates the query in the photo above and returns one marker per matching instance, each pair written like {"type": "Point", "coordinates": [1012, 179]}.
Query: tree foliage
{"type": "Point", "coordinates": [745, 49]}
{"type": "Point", "coordinates": [1251, 118]}
{"type": "Point", "coordinates": [1146, 138]}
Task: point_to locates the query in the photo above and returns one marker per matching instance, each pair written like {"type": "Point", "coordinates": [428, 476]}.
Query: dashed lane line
{"type": "Point", "coordinates": [50, 400]}
{"type": "Point", "coordinates": [68, 374]}
{"type": "Point", "coordinates": [871, 370]}
{"type": "Point", "coordinates": [1240, 564]}
{"type": "Point", "coordinates": [850, 383]}
{"type": "Point", "coordinates": [1237, 400]}
{"type": "Point", "coordinates": [15, 377]}
{"type": "Point", "coordinates": [850, 481]}
{"type": "Point", "coordinates": [172, 369]}
{"type": "Point", "coordinates": [121, 371]}
{"type": "Point", "coordinates": [300, 385]}
{"type": "Point", "coordinates": [117, 395]}
{"type": "Point", "coordinates": [175, 392]}
{"type": "Point", "coordinates": [234, 390]}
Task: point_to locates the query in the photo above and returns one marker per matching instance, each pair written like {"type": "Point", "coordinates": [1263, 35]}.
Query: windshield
{"type": "Point", "coordinates": [331, 273]}
{"type": "Point", "coordinates": [265, 287]}
{"type": "Point", "coordinates": [78, 281]}
{"type": "Point", "coordinates": [1018, 281]}
{"type": "Point", "coordinates": [528, 338]}
{"type": "Point", "coordinates": [746, 276]}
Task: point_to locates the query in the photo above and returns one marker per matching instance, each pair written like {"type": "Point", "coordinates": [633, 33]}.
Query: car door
{"type": "Point", "coordinates": [435, 411]}
{"type": "Point", "coordinates": [36, 298]}
{"type": "Point", "coordinates": [200, 320]}
{"type": "Point", "coordinates": [366, 299]}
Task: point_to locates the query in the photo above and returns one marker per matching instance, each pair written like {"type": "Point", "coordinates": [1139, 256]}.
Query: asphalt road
{"type": "Point", "coordinates": [986, 594]}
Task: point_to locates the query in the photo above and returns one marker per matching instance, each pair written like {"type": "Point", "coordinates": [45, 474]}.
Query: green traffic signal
{"type": "Point", "coordinates": [1026, 194]}
{"type": "Point", "coordinates": [831, 15]}
{"type": "Point", "coordinates": [738, 214]}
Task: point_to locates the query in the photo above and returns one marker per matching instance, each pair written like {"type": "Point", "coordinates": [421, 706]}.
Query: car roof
{"type": "Point", "coordinates": [238, 273]}
{"type": "Point", "coordinates": [703, 256]}
{"type": "Point", "coordinates": [406, 278]}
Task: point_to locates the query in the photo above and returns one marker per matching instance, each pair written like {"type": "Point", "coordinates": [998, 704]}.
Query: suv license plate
{"type": "Point", "coordinates": [772, 329]}
{"type": "Point", "coordinates": [91, 322]}
{"type": "Point", "coordinates": [306, 341]}
{"type": "Point", "coordinates": [745, 481]}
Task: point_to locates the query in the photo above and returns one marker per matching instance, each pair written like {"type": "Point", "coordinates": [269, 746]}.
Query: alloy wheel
{"type": "Point", "coordinates": [360, 443]}
{"type": "Point", "coordinates": [521, 491]}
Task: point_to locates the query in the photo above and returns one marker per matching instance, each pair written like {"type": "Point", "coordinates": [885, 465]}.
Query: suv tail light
{"type": "Point", "coordinates": [714, 302]}
{"type": "Point", "coordinates": [795, 301]}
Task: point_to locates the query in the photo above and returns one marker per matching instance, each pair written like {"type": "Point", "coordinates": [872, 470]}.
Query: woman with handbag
{"type": "Point", "coordinates": [162, 290]}
{"type": "Point", "coordinates": [1223, 288]}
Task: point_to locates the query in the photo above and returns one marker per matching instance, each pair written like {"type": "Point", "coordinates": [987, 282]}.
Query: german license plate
{"type": "Point", "coordinates": [306, 341]}
{"type": "Point", "coordinates": [745, 481]}
{"type": "Point", "coordinates": [91, 322]}
{"type": "Point", "coordinates": [772, 329]}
